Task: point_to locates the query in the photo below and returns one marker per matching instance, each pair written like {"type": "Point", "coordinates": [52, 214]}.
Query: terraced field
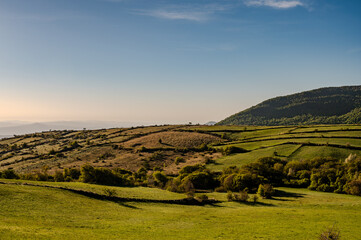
{"type": "Point", "coordinates": [289, 143]}
{"type": "Point", "coordinates": [130, 148]}
{"type": "Point", "coordinates": [159, 146]}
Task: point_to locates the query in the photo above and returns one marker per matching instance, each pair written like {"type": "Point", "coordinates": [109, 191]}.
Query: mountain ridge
{"type": "Point", "coordinates": [329, 105]}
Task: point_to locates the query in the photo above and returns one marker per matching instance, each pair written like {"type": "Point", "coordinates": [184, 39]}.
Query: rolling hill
{"type": "Point", "coordinates": [332, 105]}
{"type": "Point", "coordinates": [49, 208]}
{"type": "Point", "coordinates": [130, 148]}
{"type": "Point", "coordinates": [171, 147]}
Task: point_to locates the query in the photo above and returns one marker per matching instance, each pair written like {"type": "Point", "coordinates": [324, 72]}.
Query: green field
{"type": "Point", "coordinates": [31, 212]}
{"type": "Point", "coordinates": [288, 143]}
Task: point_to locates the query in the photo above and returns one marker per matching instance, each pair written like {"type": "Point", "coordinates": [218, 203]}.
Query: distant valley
{"type": "Point", "coordinates": [11, 128]}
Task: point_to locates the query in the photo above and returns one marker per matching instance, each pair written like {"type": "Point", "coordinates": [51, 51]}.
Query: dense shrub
{"type": "Point", "coordinates": [41, 176]}
{"type": "Point", "coordinates": [140, 175]}
{"type": "Point", "coordinates": [186, 186]}
{"type": "Point", "coordinates": [244, 181]}
{"type": "Point", "coordinates": [191, 168]}
{"type": "Point", "coordinates": [197, 175]}
{"type": "Point", "coordinates": [233, 149]}
{"type": "Point", "coordinates": [58, 176]}
{"type": "Point", "coordinates": [354, 187]}
{"type": "Point", "coordinates": [9, 174]}
{"type": "Point", "coordinates": [250, 176]}
{"type": "Point", "coordinates": [268, 168]}
{"type": "Point", "coordinates": [160, 178]}
{"type": "Point", "coordinates": [71, 174]}
{"type": "Point", "coordinates": [173, 185]}
{"type": "Point", "coordinates": [265, 191]}
{"type": "Point", "coordinates": [242, 196]}
{"type": "Point", "coordinates": [230, 196]}
{"type": "Point", "coordinates": [203, 180]}
{"type": "Point", "coordinates": [104, 176]}
{"type": "Point", "coordinates": [241, 181]}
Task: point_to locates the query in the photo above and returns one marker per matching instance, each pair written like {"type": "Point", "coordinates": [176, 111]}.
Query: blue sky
{"type": "Point", "coordinates": [169, 61]}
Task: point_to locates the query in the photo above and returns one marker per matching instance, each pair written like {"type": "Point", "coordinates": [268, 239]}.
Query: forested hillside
{"type": "Point", "coordinates": [332, 105]}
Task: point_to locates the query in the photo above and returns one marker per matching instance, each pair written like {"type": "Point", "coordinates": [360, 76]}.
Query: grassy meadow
{"type": "Point", "coordinates": [32, 212]}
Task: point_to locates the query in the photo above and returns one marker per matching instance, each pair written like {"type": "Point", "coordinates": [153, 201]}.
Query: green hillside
{"type": "Point", "coordinates": [35, 212]}
{"type": "Point", "coordinates": [332, 105]}
{"type": "Point", "coordinates": [285, 142]}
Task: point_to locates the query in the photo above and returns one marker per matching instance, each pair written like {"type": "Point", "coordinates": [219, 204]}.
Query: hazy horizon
{"type": "Point", "coordinates": [168, 62]}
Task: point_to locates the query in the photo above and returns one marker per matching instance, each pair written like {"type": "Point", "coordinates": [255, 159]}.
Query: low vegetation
{"type": "Point", "coordinates": [321, 174]}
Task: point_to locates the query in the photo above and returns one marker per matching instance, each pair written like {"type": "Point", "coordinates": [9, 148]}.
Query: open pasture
{"type": "Point", "coordinates": [297, 143]}
{"type": "Point", "coordinates": [30, 212]}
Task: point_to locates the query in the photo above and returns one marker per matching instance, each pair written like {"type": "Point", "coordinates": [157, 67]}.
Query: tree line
{"type": "Point", "coordinates": [319, 174]}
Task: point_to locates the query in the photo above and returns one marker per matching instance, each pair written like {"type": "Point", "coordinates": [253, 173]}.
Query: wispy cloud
{"type": "Point", "coordinates": [199, 13]}
{"type": "Point", "coordinates": [175, 15]}
{"type": "Point", "coordinates": [278, 4]}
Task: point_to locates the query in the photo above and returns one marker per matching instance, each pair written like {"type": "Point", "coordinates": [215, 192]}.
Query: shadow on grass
{"type": "Point", "coordinates": [127, 205]}
{"type": "Point", "coordinates": [167, 144]}
{"type": "Point", "coordinates": [257, 204]}
{"type": "Point", "coordinates": [121, 200]}
{"type": "Point", "coordinates": [284, 196]}
{"type": "Point", "coordinates": [215, 205]}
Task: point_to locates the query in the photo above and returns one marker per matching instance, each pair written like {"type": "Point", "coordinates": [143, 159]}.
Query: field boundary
{"type": "Point", "coordinates": [183, 201]}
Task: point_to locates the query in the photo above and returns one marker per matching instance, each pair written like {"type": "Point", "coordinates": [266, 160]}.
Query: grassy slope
{"type": "Point", "coordinates": [103, 148]}
{"type": "Point", "coordinates": [123, 192]}
{"type": "Point", "coordinates": [245, 158]}
{"type": "Point", "coordinates": [289, 143]}
{"type": "Point", "coordinates": [40, 213]}
{"type": "Point", "coordinates": [119, 147]}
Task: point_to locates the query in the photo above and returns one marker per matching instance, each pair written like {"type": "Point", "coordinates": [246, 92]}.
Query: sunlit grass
{"type": "Point", "coordinates": [40, 213]}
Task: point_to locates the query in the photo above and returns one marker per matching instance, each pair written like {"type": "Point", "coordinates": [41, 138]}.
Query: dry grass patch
{"type": "Point", "coordinates": [173, 139]}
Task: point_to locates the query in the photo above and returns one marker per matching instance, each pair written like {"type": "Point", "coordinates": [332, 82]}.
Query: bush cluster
{"type": "Point", "coordinates": [242, 196]}
{"type": "Point", "coordinates": [320, 174]}
{"type": "Point", "coordinates": [191, 178]}
{"type": "Point", "coordinates": [233, 149]}
{"type": "Point", "coordinates": [326, 175]}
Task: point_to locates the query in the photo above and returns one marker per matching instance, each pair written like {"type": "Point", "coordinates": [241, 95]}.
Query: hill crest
{"type": "Point", "coordinates": [330, 105]}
